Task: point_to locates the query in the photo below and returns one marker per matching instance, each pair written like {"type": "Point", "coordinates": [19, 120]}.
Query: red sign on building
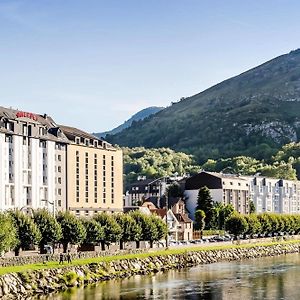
{"type": "Point", "coordinates": [23, 114]}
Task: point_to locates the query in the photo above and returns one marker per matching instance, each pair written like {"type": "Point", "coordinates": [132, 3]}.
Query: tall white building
{"type": "Point", "coordinates": [32, 149]}
{"type": "Point", "coordinates": [275, 195]}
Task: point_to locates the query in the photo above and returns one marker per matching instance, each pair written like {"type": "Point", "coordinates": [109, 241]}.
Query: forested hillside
{"type": "Point", "coordinates": [155, 163]}
{"type": "Point", "coordinates": [252, 114]}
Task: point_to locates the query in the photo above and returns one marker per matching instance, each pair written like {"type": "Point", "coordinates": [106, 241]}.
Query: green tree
{"type": "Point", "coordinates": [49, 228]}
{"type": "Point", "coordinates": [220, 213]}
{"type": "Point", "coordinates": [254, 226]}
{"type": "Point", "coordinates": [205, 203]}
{"type": "Point", "coordinates": [131, 230]}
{"type": "Point", "coordinates": [175, 190]}
{"type": "Point", "coordinates": [200, 221]}
{"type": "Point", "coordinates": [8, 234]}
{"type": "Point", "coordinates": [73, 231]}
{"type": "Point", "coordinates": [94, 231]}
{"type": "Point", "coordinates": [264, 220]}
{"type": "Point", "coordinates": [149, 230]}
{"type": "Point", "coordinates": [161, 228]}
{"type": "Point", "coordinates": [236, 224]}
{"type": "Point", "coordinates": [27, 231]}
{"type": "Point", "coordinates": [112, 230]}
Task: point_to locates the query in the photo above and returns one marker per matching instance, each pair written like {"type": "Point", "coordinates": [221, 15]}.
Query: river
{"type": "Point", "coordinates": [265, 278]}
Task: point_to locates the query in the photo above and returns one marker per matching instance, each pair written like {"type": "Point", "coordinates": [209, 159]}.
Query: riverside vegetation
{"type": "Point", "coordinates": [19, 231]}
{"type": "Point", "coordinates": [39, 279]}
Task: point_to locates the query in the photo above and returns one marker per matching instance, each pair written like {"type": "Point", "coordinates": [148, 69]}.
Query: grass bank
{"type": "Point", "coordinates": [160, 252]}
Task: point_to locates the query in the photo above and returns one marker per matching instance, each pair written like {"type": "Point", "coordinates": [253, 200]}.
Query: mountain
{"type": "Point", "coordinates": [253, 113]}
{"type": "Point", "coordinates": [141, 115]}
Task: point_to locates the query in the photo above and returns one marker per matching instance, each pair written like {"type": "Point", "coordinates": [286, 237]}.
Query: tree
{"type": "Point", "coordinates": [27, 231]}
{"type": "Point", "coordinates": [253, 224]}
{"type": "Point", "coordinates": [161, 228]}
{"type": "Point", "coordinates": [73, 231]}
{"type": "Point", "coordinates": [49, 228]}
{"type": "Point", "coordinates": [264, 220]}
{"type": "Point", "coordinates": [252, 208]}
{"type": "Point", "coordinates": [131, 230]}
{"type": "Point", "coordinates": [94, 231]}
{"type": "Point", "coordinates": [149, 230]}
{"type": "Point", "coordinates": [220, 213]}
{"type": "Point", "coordinates": [174, 190]}
{"type": "Point", "coordinates": [8, 234]}
{"type": "Point", "coordinates": [200, 220]}
{"type": "Point", "coordinates": [236, 224]}
{"type": "Point", "coordinates": [205, 203]}
{"type": "Point", "coordinates": [112, 230]}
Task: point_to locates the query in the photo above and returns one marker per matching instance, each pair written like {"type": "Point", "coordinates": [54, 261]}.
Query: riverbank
{"type": "Point", "coordinates": [52, 277]}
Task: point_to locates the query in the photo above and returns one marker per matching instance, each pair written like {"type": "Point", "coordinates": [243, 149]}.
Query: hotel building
{"type": "Point", "coordinates": [32, 162]}
{"type": "Point", "coordinates": [94, 174]}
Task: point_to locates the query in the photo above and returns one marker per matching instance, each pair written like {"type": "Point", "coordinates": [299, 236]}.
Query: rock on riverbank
{"type": "Point", "coordinates": [22, 285]}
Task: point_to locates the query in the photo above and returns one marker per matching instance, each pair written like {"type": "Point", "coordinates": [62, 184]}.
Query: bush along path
{"type": "Point", "coordinates": [52, 279]}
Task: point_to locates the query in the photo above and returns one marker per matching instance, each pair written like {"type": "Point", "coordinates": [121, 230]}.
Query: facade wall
{"type": "Point", "coordinates": [28, 160]}
{"type": "Point", "coordinates": [275, 195]}
{"type": "Point", "coordinates": [94, 180]}
{"type": "Point", "coordinates": [27, 173]}
{"type": "Point", "coordinates": [61, 176]}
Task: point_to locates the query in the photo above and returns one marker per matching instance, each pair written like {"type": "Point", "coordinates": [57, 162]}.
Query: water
{"type": "Point", "coordinates": [266, 278]}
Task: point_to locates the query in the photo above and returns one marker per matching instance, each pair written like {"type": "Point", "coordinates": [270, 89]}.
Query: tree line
{"type": "Point", "coordinates": [264, 224]}
{"type": "Point", "coordinates": [21, 231]}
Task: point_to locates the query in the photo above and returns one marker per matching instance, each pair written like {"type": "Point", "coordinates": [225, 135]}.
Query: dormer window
{"type": "Point", "coordinates": [86, 142]}
{"type": "Point", "coordinates": [95, 144]}
{"type": "Point", "coordinates": [77, 140]}
{"type": "Point", "coordinates": [9, 126]}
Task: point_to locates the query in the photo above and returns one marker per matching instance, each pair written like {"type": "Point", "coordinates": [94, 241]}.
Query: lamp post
{"type": "Point", "coordinates": [51, 203]}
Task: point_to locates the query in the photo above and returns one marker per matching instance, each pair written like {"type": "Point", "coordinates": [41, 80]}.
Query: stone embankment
{"type": "Point", "coordinates": [23, 285]}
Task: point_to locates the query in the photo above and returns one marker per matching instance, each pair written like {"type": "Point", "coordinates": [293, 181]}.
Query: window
{"type": "Point", "coordinates": [59, 157]}
{"type": "Point", "coordinates": [59, 192]}
{"type": "Point", "coordinates": [24, 129]}
{"type": "Point", "coordinates": [8, 138]}
{"type": "Point", "coordinates": [59, 169]}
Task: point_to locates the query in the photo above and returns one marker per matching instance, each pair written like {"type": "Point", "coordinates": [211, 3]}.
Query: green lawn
{"type": "Point", "coordinates": [79, 262]}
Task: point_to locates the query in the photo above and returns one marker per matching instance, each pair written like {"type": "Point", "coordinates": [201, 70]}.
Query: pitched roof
{"type": "Point", "coordinates": [183, 218]}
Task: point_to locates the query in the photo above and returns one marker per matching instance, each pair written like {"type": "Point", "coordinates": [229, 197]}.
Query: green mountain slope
{"type": "Point", "coordinates": [141, 115]}
{"type": "Point", "coordinates": [253, 114]}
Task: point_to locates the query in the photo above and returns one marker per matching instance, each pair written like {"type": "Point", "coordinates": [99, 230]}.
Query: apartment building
{"type": "Point", "coordinates": [274, 195]}
{"type": "Point", "coordinates": [30, 146]}
{"type": "Point", "coordinates": [94, 174]}
{"type": "Point", "coordinates": [224, 188]}
{"type": "Point", "coordinates": [143, 189]}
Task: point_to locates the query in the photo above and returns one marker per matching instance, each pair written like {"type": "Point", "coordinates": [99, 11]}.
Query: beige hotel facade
{"type": "Point", "coordinates": [94, 174]}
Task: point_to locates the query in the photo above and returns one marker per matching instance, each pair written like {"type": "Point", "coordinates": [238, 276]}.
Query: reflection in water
{"type": "Point", "coordinates": [266, 278]}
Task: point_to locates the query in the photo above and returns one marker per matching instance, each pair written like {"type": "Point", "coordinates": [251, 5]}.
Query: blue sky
{"type": "Point", "coordinates": [92, 64]}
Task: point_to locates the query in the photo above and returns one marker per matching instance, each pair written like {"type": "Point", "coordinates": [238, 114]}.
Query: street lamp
{"type": "Point", "coordinates": [51, 203]}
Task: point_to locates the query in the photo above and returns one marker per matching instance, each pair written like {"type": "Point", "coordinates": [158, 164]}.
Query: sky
{"type": "Point", "coordinates": [93, 64]}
